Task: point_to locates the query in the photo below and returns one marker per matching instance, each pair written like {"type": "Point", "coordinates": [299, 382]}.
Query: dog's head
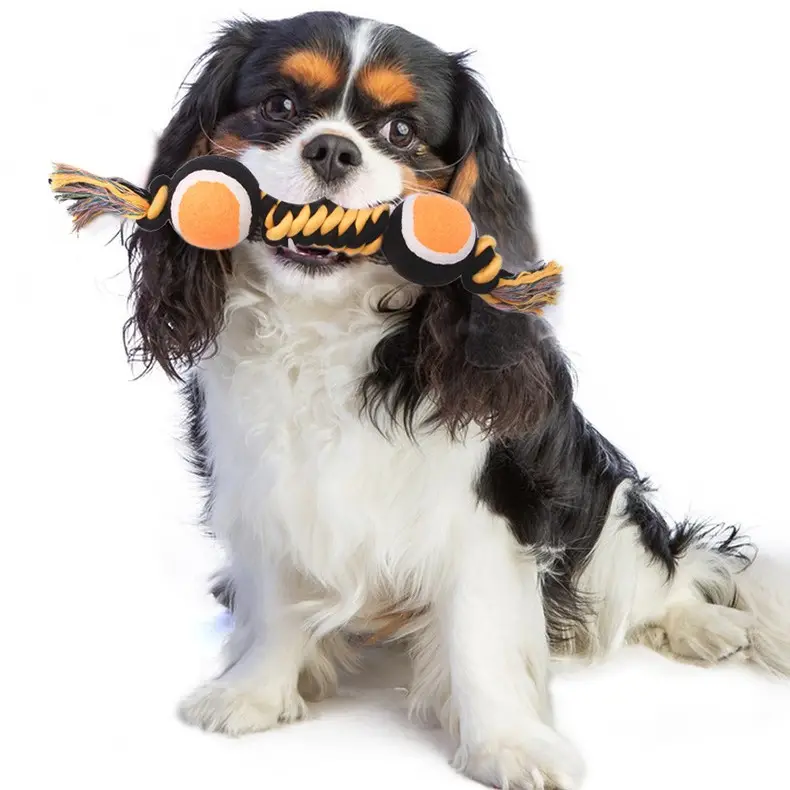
{"type": "Point", "coordinates": [321, 105]}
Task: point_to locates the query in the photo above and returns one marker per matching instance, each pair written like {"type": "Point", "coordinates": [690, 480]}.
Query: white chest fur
{"type": "Point", "coordinates": [302, 473]}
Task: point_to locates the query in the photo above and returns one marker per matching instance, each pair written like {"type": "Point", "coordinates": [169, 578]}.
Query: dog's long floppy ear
{"type": "Point", "coordinates": [178, 291]}
{"type": "Point", "coordinates": [498, 370]}
{"type": "Point", "coordinates": [486, 181]}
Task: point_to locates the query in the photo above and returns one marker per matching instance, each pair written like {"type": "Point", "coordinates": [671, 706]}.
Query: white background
{"type": "Point", "coordinates": [654, 139]}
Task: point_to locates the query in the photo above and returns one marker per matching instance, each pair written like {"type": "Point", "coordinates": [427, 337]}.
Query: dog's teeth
{"type": "Point", "coordinates": [292, 246]}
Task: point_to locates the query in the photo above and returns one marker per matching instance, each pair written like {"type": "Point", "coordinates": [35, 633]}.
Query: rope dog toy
{"type": "Point", "coordinates": [215, 202]}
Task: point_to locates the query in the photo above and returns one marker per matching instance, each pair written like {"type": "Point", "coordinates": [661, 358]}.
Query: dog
{"type": "Point", "coordinates": [394, 463]}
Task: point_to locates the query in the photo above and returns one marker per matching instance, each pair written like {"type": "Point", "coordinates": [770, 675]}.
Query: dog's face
{"type": "Point", "coordinates": [322, 105]}
{"type": "Point", "coordinates": [351, 111]}
{"type": "Point", "coordinates": [325, 106]}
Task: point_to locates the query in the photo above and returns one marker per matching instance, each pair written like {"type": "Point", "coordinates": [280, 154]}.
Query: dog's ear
{"type": "Point", "coordinates": [504, 399]}
{"type": "Point", "coordinates": [178, 291]}
{"type": "Point", "coordinates": [486, 181]}
{"type": "Point", "coordinates": [208, 98]}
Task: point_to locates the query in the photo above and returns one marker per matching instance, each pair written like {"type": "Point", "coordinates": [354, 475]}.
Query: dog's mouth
{"type": "Point", "coordinates": [311, 257]}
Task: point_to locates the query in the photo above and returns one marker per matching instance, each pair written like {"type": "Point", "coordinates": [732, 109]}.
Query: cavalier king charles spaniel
{"type": "Point", "coordinates": [386, 462]}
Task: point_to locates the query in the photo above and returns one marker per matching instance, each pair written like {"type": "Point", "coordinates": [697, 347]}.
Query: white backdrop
{"type": "Point", "coordinates": [654, 139]}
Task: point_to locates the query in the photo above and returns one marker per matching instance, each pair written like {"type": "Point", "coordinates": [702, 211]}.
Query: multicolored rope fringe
{"type": "Point", "coordinates": [92, 196]}
{"type": "Point", "coordinates": [527, 292]}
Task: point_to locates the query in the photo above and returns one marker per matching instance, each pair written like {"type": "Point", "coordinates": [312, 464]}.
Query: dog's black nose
{"type": "Point", "coordinates": [332, 156]}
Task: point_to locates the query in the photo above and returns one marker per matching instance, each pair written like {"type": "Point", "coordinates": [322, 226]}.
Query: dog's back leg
{"type": "Point", "coordinates": [694, 592]}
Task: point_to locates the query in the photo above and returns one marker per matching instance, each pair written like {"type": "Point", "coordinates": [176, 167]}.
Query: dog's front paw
{"type": "Point", "coordinates": [224, 708]}
{"type": "Point", "coordinates": [542, 761]}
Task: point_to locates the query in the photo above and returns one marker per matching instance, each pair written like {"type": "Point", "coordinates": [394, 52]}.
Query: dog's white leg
{"type": "Point", "coordinates": [491, 622]}
{"type": "Point", "coordinates": [696, 613]}
{"type": "Point", "coordinates": [264, 653]}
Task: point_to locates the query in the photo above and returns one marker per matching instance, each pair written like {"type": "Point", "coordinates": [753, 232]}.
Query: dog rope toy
{"type": "Point", "coordinates": [215, 202]}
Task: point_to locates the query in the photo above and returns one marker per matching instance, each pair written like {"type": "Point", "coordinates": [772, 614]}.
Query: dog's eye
{"type": "Point", "coordinates": [399, 133]}
{"type": "Point", "coordinates": [279, 107]}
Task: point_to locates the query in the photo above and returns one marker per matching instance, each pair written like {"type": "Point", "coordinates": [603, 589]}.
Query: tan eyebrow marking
{"type": "Point", "coordinates": [465, 180]}
{"type": "Point", "coordinates": [312, 69]}
{"type": "Point", "coordinates": [387, 85]}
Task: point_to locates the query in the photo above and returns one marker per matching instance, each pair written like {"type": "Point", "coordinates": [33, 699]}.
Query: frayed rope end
{"type": "Point", "coordinates": [92, 196]}
{"type": "Point", "coordinates": [527, 292]}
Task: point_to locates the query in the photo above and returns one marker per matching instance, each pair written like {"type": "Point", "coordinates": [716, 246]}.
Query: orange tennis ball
{"type": "Point", "coordinates": [437, 228]}
{"type": "Point", "coordinates": [211, 210]}
{"type": "Point", "coordinates": [430, 239]}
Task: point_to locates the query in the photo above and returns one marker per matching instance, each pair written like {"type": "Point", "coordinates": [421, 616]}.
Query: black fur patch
{"type": "Point", "coordinates": [723, 539]}
{"type": "Point", "coordinates": [554, 486]}
{"type": "Point", "coordinates": [197, 440]}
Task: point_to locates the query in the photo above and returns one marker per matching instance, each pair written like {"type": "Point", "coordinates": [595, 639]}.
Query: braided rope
{"type": "Point", "coordinates": [158, 203]}
{"type": "Point", "coordinates": [325, 225]}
